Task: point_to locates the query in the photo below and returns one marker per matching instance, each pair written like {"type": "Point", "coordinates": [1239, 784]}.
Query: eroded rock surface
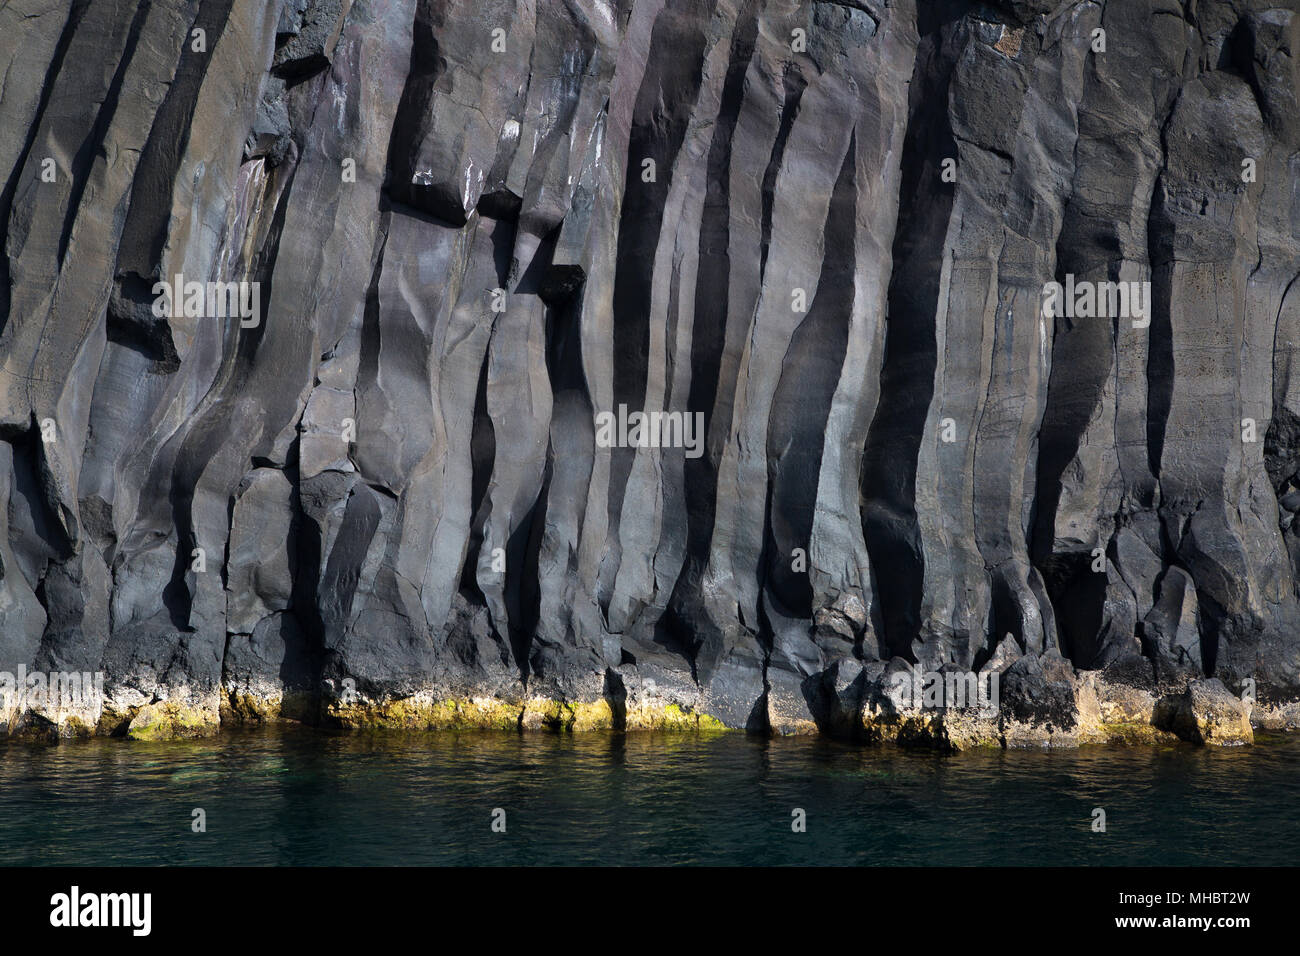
{"type": "Point", "coordinates": [379, 493]}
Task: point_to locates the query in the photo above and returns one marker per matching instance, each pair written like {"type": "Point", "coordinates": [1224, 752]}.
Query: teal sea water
{"type": "Point", "coordinates": [298, 796]}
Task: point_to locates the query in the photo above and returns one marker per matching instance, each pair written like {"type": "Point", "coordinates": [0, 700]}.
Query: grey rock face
{"type": "Point", "coordinates": [464, 232]}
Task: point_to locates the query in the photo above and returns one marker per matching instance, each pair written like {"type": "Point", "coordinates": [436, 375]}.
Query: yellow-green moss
{"type": "Point", "coordinates": [39, 730]}
{"type": "Point", "coordinates": [947, 731]}
{"type": "Point", "coordinates": [709, 723]}
{"type": "Point", "coordinates": [537, 713]}
{"type": "Point", "coordinates": [425, 714]}
{"type": "Point", "coordinates": [172, 720]}
{"type": "Point", "coordinates": [672, 717]}
{"type": "Point", "coordinates": [1130, 732]}
{"type": "Point", "coordinates": [880, 728]}
{"type": "Point", "coordinates": [596, 715]}
{"type": "Point", "coordinates": [567, 716]}
{"type": "Point", "coordinates": [239, 707]}
{"type": "Point", "coordinates": [75, 727]}
{"type": "Point", "coordinates": [169, 719]}
{"type": "Point", "coordinates": [933, 730]}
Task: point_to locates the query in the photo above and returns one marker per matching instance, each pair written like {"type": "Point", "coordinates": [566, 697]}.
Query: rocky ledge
{"type": "Point", "coordinates": [1028, 702]}
{"type": "Point", "coordinates": [651, 363]}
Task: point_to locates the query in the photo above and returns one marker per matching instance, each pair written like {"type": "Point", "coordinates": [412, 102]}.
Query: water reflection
{"type": "Point", "coordinates": [301, 797]}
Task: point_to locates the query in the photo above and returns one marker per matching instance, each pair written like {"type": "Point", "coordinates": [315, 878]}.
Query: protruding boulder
{"type": "Point", "coordinates": [1207, 713]}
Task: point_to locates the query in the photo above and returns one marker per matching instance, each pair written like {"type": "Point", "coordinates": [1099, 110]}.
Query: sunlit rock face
{"type": "Point", "coordinates": [666, 361]}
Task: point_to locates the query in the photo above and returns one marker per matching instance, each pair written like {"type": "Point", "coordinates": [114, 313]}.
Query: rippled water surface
{"type": "Point", "coordinates": [298, 796]}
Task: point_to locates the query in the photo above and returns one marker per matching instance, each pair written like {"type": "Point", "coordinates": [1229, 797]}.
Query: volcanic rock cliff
{"type": "Point", "coordinates": [446, 238]}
